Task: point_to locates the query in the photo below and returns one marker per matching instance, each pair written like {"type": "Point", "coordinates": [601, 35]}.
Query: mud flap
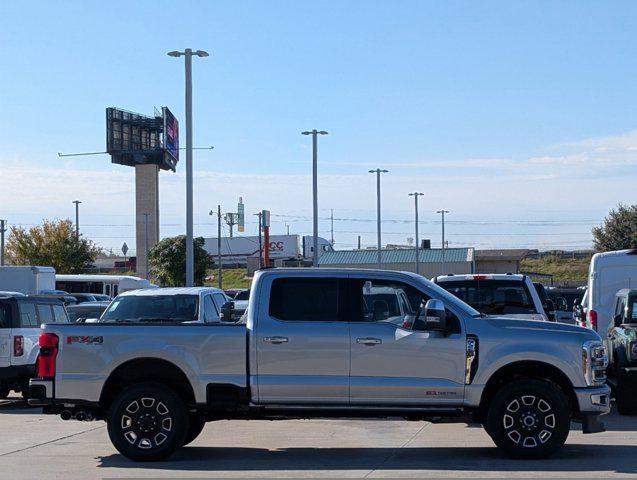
{"type": "Point", "coordinates": [592, 424]}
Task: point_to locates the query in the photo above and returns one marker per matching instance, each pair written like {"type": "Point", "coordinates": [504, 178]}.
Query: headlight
{"type": "Point", "coordinates": [594, 362]}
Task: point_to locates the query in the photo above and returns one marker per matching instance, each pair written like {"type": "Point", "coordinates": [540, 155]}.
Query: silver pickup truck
{"type": "Point", "coordinates": [328, 343]}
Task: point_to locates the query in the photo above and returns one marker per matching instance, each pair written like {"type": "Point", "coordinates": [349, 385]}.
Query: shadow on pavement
{"type": "Point", "coordinates": [572, 458]}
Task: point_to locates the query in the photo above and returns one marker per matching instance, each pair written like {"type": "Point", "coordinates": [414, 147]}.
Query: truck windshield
{"type": "Point", "coordinates": [152, 308]}
{"type": "Point", "coordinates": [493, 297]}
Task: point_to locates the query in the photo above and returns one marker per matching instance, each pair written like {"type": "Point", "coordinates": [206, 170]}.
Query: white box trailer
{"type": "Point", "coordinates": [282, 247]}
{"type": "Point", "coordinates": [27, 280]}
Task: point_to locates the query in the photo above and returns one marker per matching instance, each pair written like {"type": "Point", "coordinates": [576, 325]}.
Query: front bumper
{"type": "Point", "coordinates": [592, 403]}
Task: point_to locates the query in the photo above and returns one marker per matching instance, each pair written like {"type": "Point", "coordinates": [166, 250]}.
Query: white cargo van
{"type": "Point", "coordinates": [27, 280]}
{"type": "Point", "coordinates": [609, 272]}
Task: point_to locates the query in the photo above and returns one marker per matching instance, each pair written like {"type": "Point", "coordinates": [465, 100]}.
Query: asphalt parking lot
{"type": "Point", "coordinates": [42, 446]}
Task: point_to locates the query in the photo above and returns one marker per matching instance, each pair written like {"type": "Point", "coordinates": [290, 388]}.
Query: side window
{"type": "Point", "coordinates": [632, 311]}
{"type": "Point", "coordinates": [28, 317]}
{"type": "Point", "coordinates": [304, 299]}
{"type": "Point", "coordinates": [387, 301]}
{"type": "Point", "coordinates": [45, 314]}
{"type": "Point", "coordinates": [115, 289]}
{"type": "Point", "coordinates": [209, 311]}
{"type": "Point", "coordinates": [59, 313]}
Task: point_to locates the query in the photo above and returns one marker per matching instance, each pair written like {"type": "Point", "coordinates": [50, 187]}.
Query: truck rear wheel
{"type": "Point", "coordinates": [147, 422]}
{"type": "Point", "coordinates": [529, 419]}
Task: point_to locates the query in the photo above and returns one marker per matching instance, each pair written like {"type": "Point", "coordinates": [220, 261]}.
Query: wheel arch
{"type": "Point", "coordinates": [527, 369]}
{"type": "Point", "coordinates": [146, 369]}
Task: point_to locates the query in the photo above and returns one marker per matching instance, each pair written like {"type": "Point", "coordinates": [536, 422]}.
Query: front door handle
{"type": "Point", "coordinates": [275, 340]}
{"type": "Point", "coordinates": [369, 341]}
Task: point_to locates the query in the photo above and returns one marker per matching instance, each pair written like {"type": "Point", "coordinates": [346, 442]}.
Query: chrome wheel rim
{"type": "Point", "coordinates": [146, 423]}
{"type": "Point", "coordinates": [529, 421]}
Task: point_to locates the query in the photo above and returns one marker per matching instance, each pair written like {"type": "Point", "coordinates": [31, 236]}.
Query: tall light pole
{"type": "Point", "coordinates": [77, 218]}
{"type": "Point", "coordinates": [3, 228]}
{"type": "Point", "coordinates": [442, 212]}
{"type": "Point", "coordinates": [314, 134]}
{"type": "Point", "coordinates": [378, 171]}
{"type": "Point", "coordinates": [416, 195]}
{"type": "Point", "coordinates": [190, 253]}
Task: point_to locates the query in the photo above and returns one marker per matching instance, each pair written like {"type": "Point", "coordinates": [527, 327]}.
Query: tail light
{"type": "Point", "coordinates": [592, 318]}
{"type": "Point", "coordinates": [48, 353]}
{"type": "Point", "coordinates": [18, 346]}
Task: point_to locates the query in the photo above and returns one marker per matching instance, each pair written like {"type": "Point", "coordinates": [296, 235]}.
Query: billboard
{"type": "Point", "coordinates": [171, 138]}
{"type": "Point", "coordinates": [136, 139]}
{"type": "Point", "coordinates": [241, 214]}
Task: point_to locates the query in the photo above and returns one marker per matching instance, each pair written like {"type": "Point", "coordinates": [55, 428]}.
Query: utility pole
{"type": "Point", "coordinates": [220, 273]}
{"type": "Point", "coordinates": [260, 242]}
{"type": "Point", "coordinates": [146, 215]}
{"type": "Point", "coordinates": [442, 212]}
{"type": "Point", "coordinates": [77, 218]}
{"type": "Point", "coordinates": [378, 171]}
{"type": "Point", "coordinates": [288, 227]}
{"type": "Point", "coordinates": [3, 229]}
{"type": "Point", "coordinates": [314, 134]}
{"type": "Point", "coordinates": [359, 242]}
{"type": "Point", "coordinates": [416, 195]}
{"type": "Point", "coordinates": [190, 250]}
{"type": "Point", "coordinates": [332, 226]}
{"type": "Point", "coordinates": [265, 218]}
{"type": "Point", "coordinates": [232, 220]}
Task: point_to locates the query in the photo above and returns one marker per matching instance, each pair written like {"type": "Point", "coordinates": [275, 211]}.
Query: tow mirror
{"type": "Point", "coordinates": [435, 316]}
{"type": "Point", "coordinates": [226, 312]}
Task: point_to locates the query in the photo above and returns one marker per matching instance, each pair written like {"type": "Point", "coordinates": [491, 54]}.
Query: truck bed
{"type": "Point", "coordinates": [89, 353]}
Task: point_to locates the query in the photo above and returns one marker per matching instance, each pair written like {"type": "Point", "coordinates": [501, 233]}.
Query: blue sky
{"type": "Point", "coordinates": [517, 116]}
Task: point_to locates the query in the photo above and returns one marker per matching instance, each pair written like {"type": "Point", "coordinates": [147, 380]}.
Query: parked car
{"type": "Point", "coordinates": [176, 305]}
{"type": "Point", "coordinates": [11, 294]}
{"type": "Point", "coordinates": [608, 273]}
{"type": "Point", "coordinates": [308, 350]}
{"type": "Point", "coordinates": [85, 297]}
{"type": "Point", "coordinates": [63, 297]}
{"type": "Point", "coordinates": [506, 295]}
{"type": "Point", "coordinates": [240, 301]}
{"type": "Point", "coordinates": [20, 319]}
{"type": "Point", "coordinates": [84, 310]}
{"type": "Point", "coordinates": [621, 342]}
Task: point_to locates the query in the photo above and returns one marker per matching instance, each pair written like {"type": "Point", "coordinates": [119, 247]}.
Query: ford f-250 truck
{"type": "Point", "coordinates": [326, 343]}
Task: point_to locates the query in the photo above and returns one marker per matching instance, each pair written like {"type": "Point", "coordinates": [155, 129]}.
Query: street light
{"type": "Point", "coordinates": [378, 171]}
{"type": "Point", "coordinates": [416, 195]}
{"type": "Point", "coordinates": [443, 238]}
{"type": "Point", "coordinates": [77, 218]}
{"type": "Point", "coordinates": [314, 134]}
{"type": "Point", "coordinates": [190, 254]}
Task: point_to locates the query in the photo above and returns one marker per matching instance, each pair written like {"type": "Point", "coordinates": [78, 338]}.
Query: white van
{"type": "Point", "coordinates": [609, 272]}
{"type": "Point", "coordinates": [111, 285]}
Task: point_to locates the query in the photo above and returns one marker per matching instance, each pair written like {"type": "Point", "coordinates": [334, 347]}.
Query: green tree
{"type": "Point", "coordinates": [52, 244]}
{"type": "Point", "coordinates": [619, 230]}
{"type": "Point", "coordinates": [167, 261]}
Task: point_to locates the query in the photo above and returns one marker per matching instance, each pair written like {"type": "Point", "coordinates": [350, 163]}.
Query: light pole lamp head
{"type": "Point", "coordinates": [322, 132]}
{"type": "Point", "coordinates": [175, 53]}
{"type": "Point", "coordinates": [306, 133]}
{"type": "Point", "coordinates": [201, 53]}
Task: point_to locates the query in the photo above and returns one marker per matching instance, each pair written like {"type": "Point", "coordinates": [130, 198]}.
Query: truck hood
{"type": "Point", "coordinates": [540, 327]}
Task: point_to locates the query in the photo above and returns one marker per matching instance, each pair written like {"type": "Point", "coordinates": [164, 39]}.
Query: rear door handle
{"type": "Point", "coordinates": [369, 341]}
{"type": "Point", "coordinates": [275, 340]}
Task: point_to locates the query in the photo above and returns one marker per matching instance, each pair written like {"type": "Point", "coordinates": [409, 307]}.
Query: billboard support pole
{"type": "Point", "coordinates": [219, 245]}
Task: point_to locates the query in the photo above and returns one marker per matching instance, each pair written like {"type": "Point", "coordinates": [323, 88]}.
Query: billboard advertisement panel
{"type": "Point", "coordinates": [171, 137]}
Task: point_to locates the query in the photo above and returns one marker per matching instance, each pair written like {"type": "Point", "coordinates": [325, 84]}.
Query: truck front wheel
{"type": "Point", "coordinates": [529, 419]}
{"type": "Point", "coordinates": [147, 422]}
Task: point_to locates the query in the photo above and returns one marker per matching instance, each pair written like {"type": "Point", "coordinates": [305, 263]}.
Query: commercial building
{"type": "Point", "coordinates": [456, 260]}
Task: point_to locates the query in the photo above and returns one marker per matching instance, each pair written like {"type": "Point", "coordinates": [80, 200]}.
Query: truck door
{"type": "Point", "coordinates": [302, 345]}
{"type": "Point", "coordinates": [393, 363]}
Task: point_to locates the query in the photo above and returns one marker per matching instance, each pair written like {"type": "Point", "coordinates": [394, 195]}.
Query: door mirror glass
{"type": "Point", "coordinates": [435, 316]}
{"type": "Point", "coordinates": [226, 311]}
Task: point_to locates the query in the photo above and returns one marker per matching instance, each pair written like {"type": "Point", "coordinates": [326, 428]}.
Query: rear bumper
{"type": "Point", "coordinates": [40, 392]}
{"type": "Point", "coordinates": [16, 373]}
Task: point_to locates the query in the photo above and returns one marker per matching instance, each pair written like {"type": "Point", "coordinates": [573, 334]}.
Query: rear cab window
{"type": "Point", "coordinates": [28, 315]}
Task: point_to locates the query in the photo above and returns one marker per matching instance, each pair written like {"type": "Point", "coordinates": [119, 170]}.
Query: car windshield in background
{"type": "Point", "coordinates": [493, 297]}
{"type": "Point", "coordinates": [152, 308]}
{"type": "Point", "coordinates": [244, 295]}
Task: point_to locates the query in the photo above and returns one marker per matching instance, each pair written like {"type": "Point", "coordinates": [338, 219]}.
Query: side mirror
{"type": "Point", "coordinates": [562, 305]}
{"type": "Point", "coordinates": [550, 310]}
{"type": "Point", "coordinates": [435, 316]}
{"type": "Point", "coordinates": [226, 312]}
{"type": "Point", "coordinates": [617, 320]}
